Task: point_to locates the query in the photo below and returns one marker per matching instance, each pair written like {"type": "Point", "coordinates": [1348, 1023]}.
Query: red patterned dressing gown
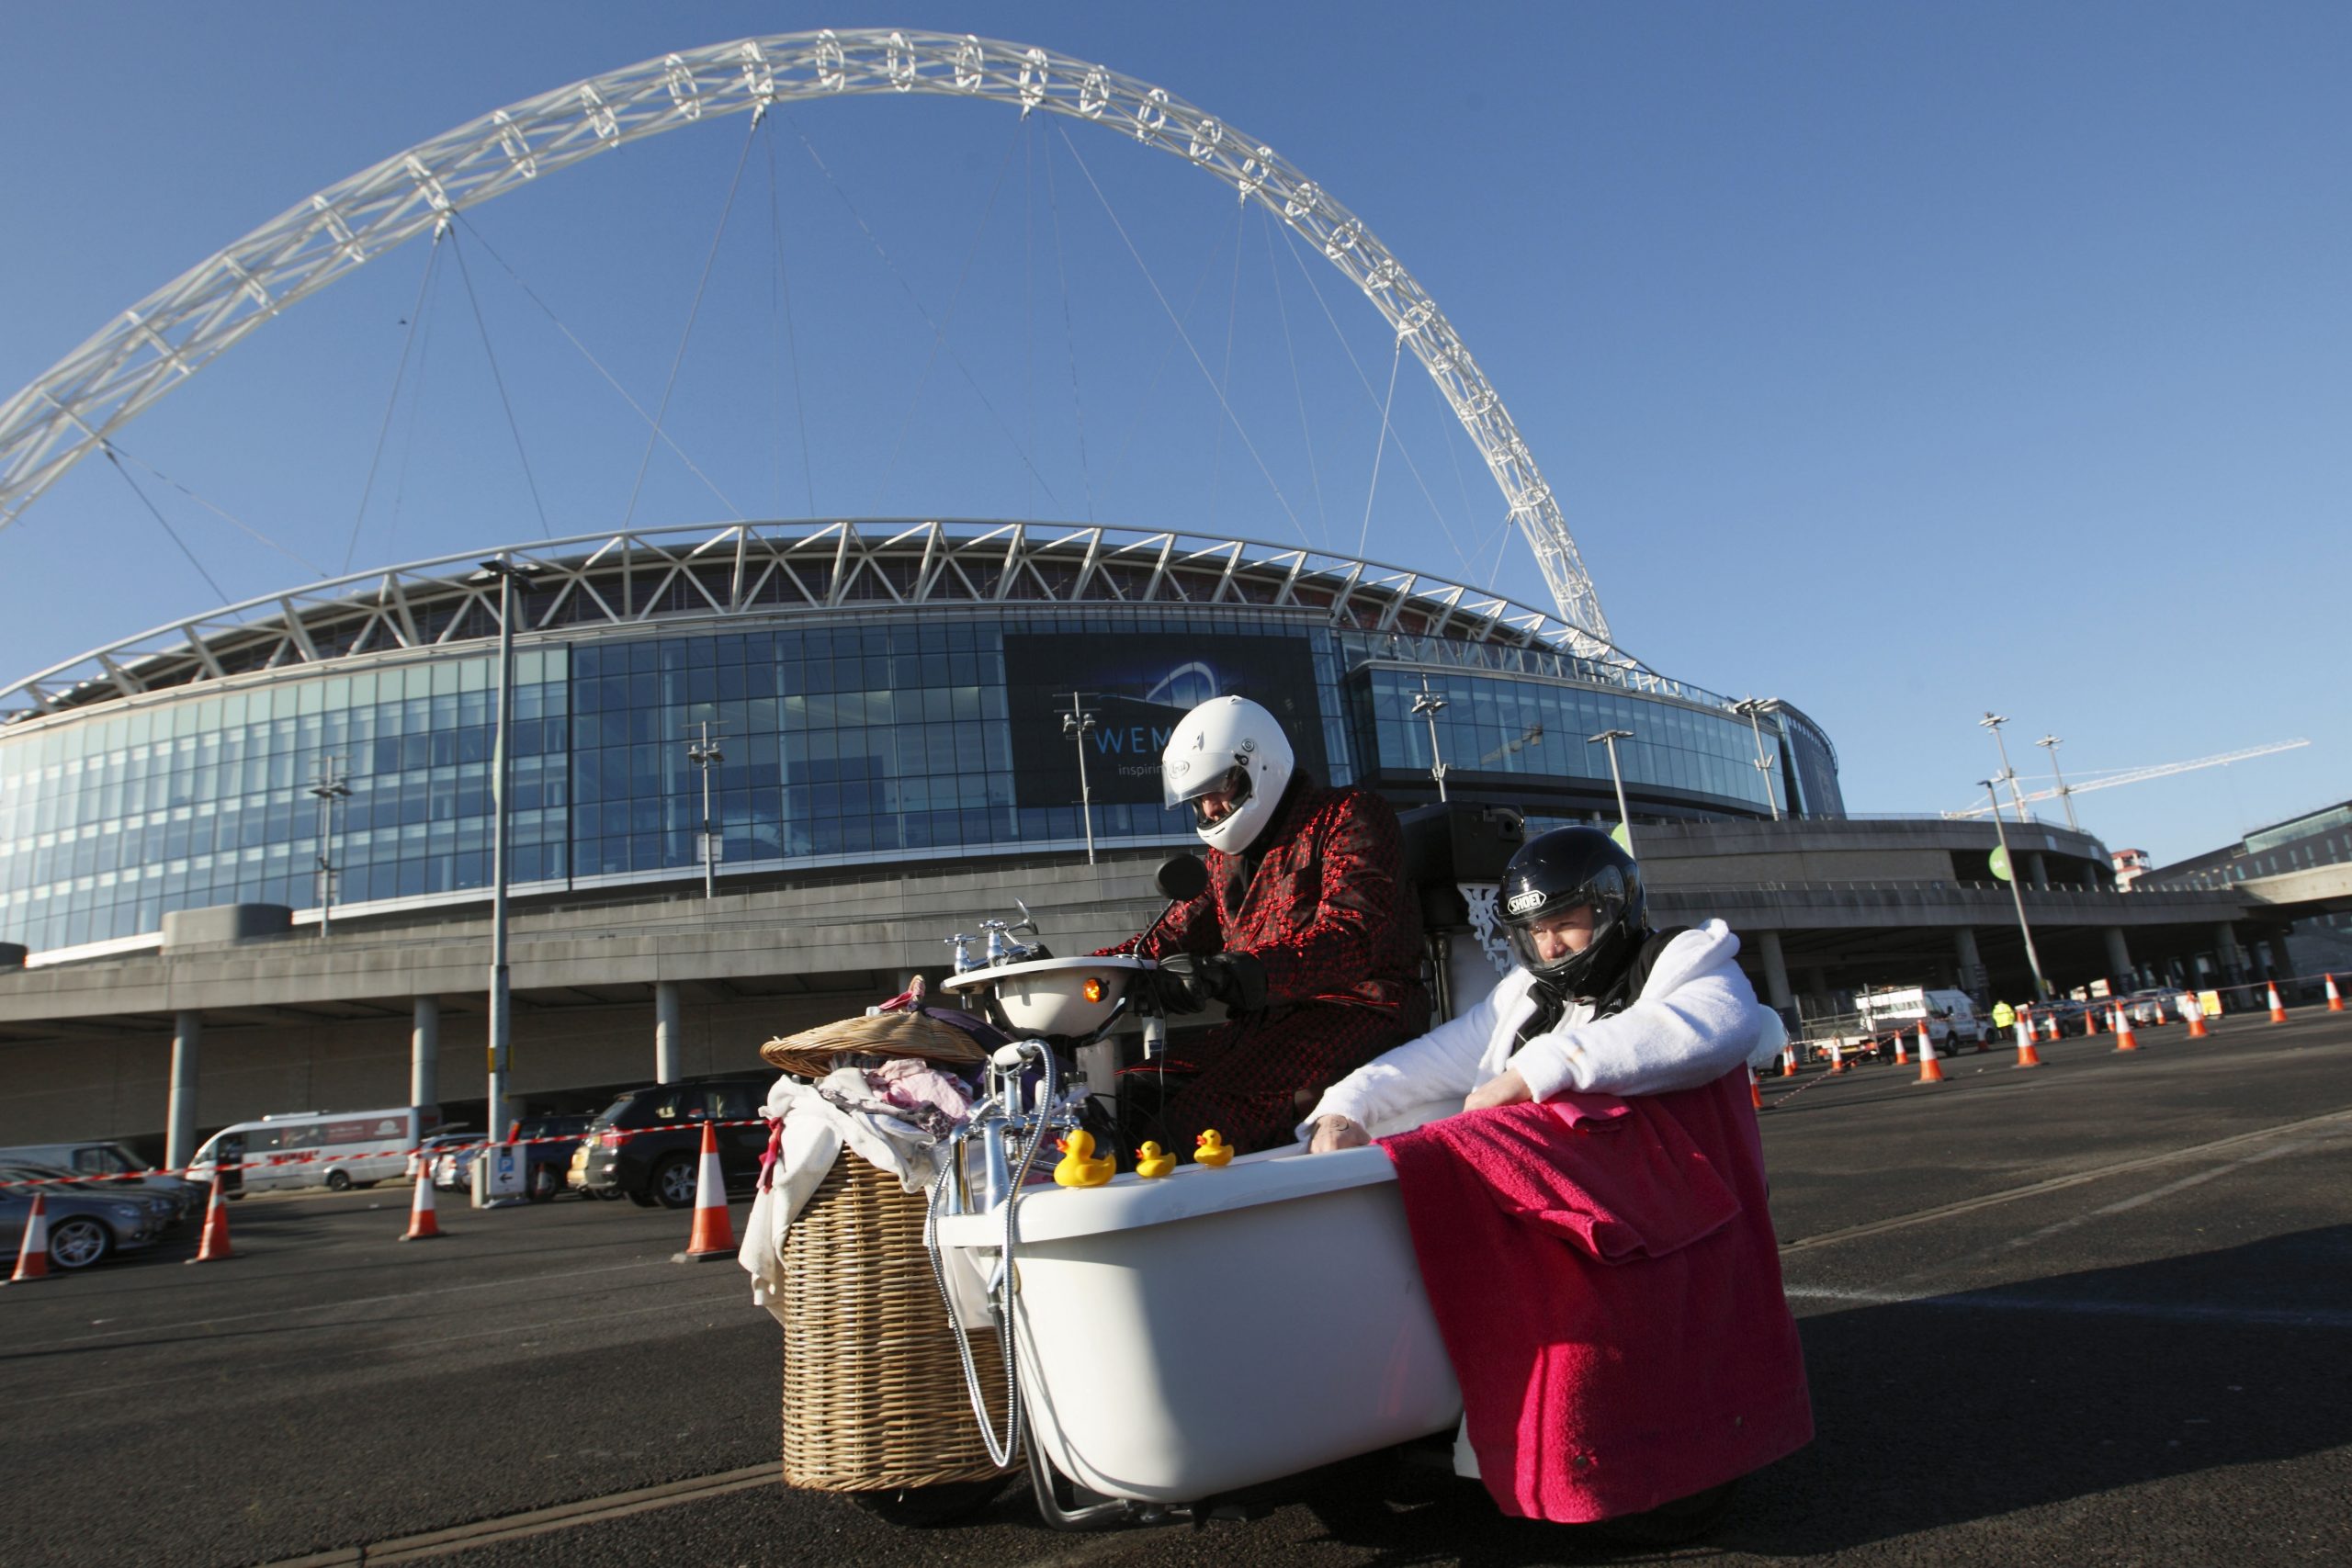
{"type": "Point", "coordinates": [1339, 935]}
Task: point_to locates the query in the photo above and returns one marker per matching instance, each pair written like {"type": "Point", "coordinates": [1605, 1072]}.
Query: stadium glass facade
{"type": "Point", "coordinates": [852, 735]}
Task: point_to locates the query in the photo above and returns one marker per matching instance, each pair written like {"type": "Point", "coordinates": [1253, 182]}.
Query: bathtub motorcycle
{"type": "Point", "coordinates": [1176, 1340]}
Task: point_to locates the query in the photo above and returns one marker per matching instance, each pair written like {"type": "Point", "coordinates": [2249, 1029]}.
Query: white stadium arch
{"type": "Point", "coordinates": [72, 407]}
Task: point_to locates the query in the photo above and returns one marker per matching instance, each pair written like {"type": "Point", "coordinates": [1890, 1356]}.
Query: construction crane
{"type": "Point", "coordinates": [2108, 780]}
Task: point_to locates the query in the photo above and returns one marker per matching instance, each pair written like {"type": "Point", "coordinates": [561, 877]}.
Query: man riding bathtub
{"type": "Point", "coordinates": [1592, 1229]}
{"type": "Point", "coordinates": [1595, 1002]}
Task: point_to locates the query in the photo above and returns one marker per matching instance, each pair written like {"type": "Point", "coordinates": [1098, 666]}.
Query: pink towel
{"type": "Point", "coordinates": [1608, 1285]}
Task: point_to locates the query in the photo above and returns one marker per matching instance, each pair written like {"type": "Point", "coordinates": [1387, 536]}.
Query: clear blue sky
{"type": "Point", "coordinates": [1901, 361]}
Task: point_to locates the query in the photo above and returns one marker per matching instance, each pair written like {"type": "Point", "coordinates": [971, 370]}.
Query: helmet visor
{"type": "Point", "coordinates": [1195, 777]}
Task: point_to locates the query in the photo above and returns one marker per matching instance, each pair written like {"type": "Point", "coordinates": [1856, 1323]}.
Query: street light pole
{"type": "Point", "coordinates": [1428, 706]}
{"type": "Point", "coordinates": [507, 574]}
{"type": "Point", "coordinates": [1075, 724]}
{"type": "Point", "coordinates": [1751, 707]}
{"type": "Point", "coordinates": [2033, 959]}
{"type": "Point", "coordinates": [2065, 796]}
{"type": "Point", "coordinates": [1992, 721]}
{"type": "Point", "coordinates": [330, 790]}
{"type": "Point", "coordinates": [704, 754]}
{"type": "Point", "coordinates": [1610, 737]}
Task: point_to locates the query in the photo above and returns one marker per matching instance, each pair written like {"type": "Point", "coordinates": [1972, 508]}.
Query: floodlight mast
{"type": "Point", "coordinates": [72, 407]}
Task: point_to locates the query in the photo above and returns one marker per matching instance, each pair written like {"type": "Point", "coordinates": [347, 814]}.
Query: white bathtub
{"type": "Point", "coordinates": [1184, 1337]}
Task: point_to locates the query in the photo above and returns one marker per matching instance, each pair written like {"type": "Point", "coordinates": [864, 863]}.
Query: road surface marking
{"type": "Point", "coordinates": [2059, 1183]}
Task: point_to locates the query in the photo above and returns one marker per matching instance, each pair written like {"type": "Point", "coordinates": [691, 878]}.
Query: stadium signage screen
{"type": "Point", "coordinates": [1137, 686]}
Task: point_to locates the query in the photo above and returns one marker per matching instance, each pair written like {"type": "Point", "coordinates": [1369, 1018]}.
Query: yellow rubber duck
{"type": "Point", "coordinates": [1151, 1163]}
{"type": "Point", "coordinates": [1213, 1151]}
{"type": "Point", "coordinates": [1079, 1168]}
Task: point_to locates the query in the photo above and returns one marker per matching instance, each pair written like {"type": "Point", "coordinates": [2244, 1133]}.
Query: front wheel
{"type": "Point", "coordinates": [545, 1184]}
{"type": "Point", "coordinates": [674, 1182]}
{"type": "Point", "coordinates": [929, 1508]}
{"type": "Point", "coordinates": [78, 1241]}
{"type": "Point", "coordinates": [338, 1181]}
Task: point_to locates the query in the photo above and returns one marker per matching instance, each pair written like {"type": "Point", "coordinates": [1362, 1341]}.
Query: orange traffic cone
{"type": "Point", "coordinates": [2124, 1039]}
{"type": "Point", "coordinates": [1754, 1091]}
{"type": "Point", "coordinates": [32, 1258]}
{"type": "Point", "coordinates": [1902, 1048]}
{"type": "Point", "coordinates": [2090, 1021]}
{"type": "Point", "coordinates": [714, 1237]}
{"type": "Point", "coordinates": [423, 1222]}
{"type": "Point", "coordinates": [1931, 1070]}
{"type": "Point", "coordinates": [2054, 1029]}
{"type": "Point", "coordinates": [1788, 1061]}
{"type": "Point", "coordinates": [1837, 1058]}
{"type": "Point", "coordinates": [2277, 1008]}
{"type": "Point", "coordinates": [2335, 996]}
{"type": "Point", "coordinates": [2194, 1013]}
{"type": "Point", "coordinates": [2027, 1055]}
{"type": "Point", "coordinates": [214, 1245]}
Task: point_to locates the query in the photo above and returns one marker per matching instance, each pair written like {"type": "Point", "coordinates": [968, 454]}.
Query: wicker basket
{"type": "Point", "coordinates": [874, 1394]}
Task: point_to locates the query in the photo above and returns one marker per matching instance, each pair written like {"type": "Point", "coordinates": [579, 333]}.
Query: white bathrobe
{"type": "Point", "coordinates": [1696, 1019]}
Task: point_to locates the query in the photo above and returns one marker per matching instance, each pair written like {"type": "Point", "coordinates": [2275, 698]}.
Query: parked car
{"type": "Point", "coordinates": [647, 1144]}
{"type": "Point", "coordinates": [548, 1140]}
{"type": "Point", "coordinates": [437, 1145]}
{"type": "Point", "coordinates": [84, 1225]}
{"type": "Point", "coordinates": [2148, 1006]}
{"type": "Point", "coordinates": [115, 1168]}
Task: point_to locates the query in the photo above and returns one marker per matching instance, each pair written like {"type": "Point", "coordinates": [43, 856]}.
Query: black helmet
{"type": "Point", "coordinates": [1558, 871]}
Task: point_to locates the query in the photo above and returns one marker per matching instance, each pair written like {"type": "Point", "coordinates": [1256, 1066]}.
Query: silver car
{"type": "Point", "coordinates": [112, 1167]}
{"type": "Point", "coordinates": [84, 1225]}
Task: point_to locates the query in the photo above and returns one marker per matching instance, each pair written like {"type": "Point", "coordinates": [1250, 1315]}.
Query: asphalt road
{"type": "Point", "coordinates": [2098, 1313]}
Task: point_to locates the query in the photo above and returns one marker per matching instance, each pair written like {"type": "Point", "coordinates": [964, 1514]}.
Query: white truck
{"type": "Point", "coordinates": [1952, 1015]}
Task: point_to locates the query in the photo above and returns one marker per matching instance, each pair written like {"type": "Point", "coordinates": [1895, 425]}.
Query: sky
{"type": "Point", "coordinates": [1902, 362]}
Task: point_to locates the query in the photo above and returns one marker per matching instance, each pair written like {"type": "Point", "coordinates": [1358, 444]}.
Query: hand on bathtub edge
{"type": "Point", "coordinates": [1338, 1133]}
{"type": "Point", "coordinates": [1506, 1088]}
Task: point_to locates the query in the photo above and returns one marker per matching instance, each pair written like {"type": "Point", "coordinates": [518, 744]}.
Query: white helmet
{"type": "Point", "coordinates": [1232, 746]}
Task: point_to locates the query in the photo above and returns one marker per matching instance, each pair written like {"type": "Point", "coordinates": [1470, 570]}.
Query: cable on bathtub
{"type": "Point", "coordinates": [1000, 1295]}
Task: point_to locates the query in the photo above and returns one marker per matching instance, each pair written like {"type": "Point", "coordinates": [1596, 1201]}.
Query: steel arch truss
{"type": "Point", "coordinates": [759, 571]}
{"type": "Point", "coordinates": [73, 406]}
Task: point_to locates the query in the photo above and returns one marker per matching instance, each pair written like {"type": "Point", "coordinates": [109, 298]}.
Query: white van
{"type": "Point", "coordinates": [335, 1149]}
{"type": "Point", "coordinates": [1951, 1015]}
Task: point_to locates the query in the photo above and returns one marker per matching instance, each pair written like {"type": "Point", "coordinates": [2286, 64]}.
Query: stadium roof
{"type": "Point", "coordinates": [718, 572]}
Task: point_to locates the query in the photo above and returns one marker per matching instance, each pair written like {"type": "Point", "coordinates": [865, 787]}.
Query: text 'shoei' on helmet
{"type": "Point", "coordinates": [1559, 872]}
{"type": "Point", "coordinates": [1231, 746]}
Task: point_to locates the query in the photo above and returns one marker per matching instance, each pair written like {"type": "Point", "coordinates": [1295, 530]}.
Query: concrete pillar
{"type": "Point", "coordinates": [1971, 963]}
{"type": "Point", "coordinates": [2037, 869]}
{"type": "Point", "coordinates": [424, 1051]}
{"type": "Point", "coordinates": [668, 1033]}
{"type": "Point", "coordinates": [2225, 951]}
{"type": "Point", "coordinates": [1776, 970]}
{"type": "Point", "coordinates": [2119, 957]}
{"type": "Point", "coordinates": [179, 1146]}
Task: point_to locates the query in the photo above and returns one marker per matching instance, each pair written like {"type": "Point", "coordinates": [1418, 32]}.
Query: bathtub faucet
{"type": "Point", "coordinates": [1012, 1128]}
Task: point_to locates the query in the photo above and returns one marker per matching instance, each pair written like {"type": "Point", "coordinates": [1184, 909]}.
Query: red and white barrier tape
{"type": "Point", "coordinates": [612, 1137]}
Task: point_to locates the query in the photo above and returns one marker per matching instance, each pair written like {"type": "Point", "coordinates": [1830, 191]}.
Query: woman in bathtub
{"type": "Point", "coordinates": [1594, 1233]}
{"type": "Point", "coordinates": [1597, 1003]}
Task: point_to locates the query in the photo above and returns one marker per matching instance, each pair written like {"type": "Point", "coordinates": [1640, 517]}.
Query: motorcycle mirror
{"type": "Point", "coordinates": [1181, 878]}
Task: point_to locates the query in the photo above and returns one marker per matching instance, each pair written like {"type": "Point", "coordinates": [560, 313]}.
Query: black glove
{"type": "Point", "coordinates": [1186, 983]}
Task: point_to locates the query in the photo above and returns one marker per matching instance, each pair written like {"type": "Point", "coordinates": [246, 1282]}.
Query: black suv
{"type": "Point", "coordinates": [647, 1143]}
